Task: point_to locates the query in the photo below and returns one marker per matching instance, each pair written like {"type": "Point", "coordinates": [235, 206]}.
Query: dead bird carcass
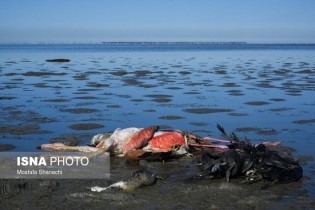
{"type": "Point", "coordinates": [137, 179]}
{"type": "Point", "coordinates": [135, 143]}
{"type": "Point", "coordinates": [254, 162]}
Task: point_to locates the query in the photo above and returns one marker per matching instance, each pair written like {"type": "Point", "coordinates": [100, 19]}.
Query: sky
{"type": "Point", "coordinates": [85, 21]}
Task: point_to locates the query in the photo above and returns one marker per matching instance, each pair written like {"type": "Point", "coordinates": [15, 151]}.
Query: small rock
{"type": "Point", "coordinates": [58, 60]}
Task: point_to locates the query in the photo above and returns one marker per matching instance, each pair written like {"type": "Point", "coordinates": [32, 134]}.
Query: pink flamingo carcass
{"type": "Point", "coordinates": [134, 142]}
{"type": "Point", "coordinates": [152, 140]}
{"type": "Point", "coordinates": [125, 140]}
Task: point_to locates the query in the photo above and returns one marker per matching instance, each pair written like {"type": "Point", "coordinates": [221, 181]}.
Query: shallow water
{"type": "Point", "coordinates": [265, 95]}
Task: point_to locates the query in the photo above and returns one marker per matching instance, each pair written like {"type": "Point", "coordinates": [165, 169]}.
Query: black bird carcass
{"type": "Point", "coordinates": [274, 166]}
{"type": "Point", "coordinates": [255, 163]}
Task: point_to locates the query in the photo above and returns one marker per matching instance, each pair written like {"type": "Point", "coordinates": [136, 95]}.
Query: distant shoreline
{"type": "Point", "coordinates": [172, 43]}
{"type": "Point", "coordinates": [151, 43]}
{"type": "Point", "coordinates": [148, 46]}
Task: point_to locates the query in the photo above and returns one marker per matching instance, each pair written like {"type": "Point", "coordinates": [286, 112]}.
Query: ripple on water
{"type": "Point", "coordinates": [185, 72]}
{"type": "Point", "coordinates": [97, 85]}
{"type": "Point", "coordinates": [192, 93]}
{"type": "Point", "coordinates": [114, 106]}
{"type": "Point", "coordinates": [132, 82]}
{"type": "Point", "coordinates": [86, 97]}
{"type": "Point", "coordinates": [142, 72]}
{"type": "Point", "coordinates": [80, 110]}
{"type": "Point", "coordinates": [149, 110]}
{"type": "Point", "coordinates": [304, 121]}
{"type": "Point", "coordinates": [229, 84]}
{"type": "Point", "coordinates": [257, 103]}
{"type": "Point", "coordinates": [119, 73]}
{"type": "Point", "coordinates": [86, 126]}
{"type": "Point", "coordinates": [137, 100]}
{"type": "Point", "coordinates": [57, 100]}
{"type": "Point", "coordinates": [171, 117]}
{"type": "Point", "coordinates": [259, 131]}
{"type": "Point", "coordinates": [235, 92]}
{"type": "Point", "coordinates": [247, 129]}
{"type": "Point", "coordinates": [80, 77]}
{"type": "Point", "coordinates": [206, 110]}
{"type": "Point", "coordinates": [6, 147]}
{"type": "Point", "coordinates": [281, 109]}
{"type": "Point", "coordinates": [236, 114]}
{"type": "Point", "coordinates": [42, 73]}
{"type": "Point", "coordinates": [7, 97]}
{"type": "Point", "coordinates": [158, 96]}
{"type": "Point", "coordinates": [174, 88]}
{"type": "Point", "coordinates": [268, 132]}
{"type": "Point", "coordinates": [277, 99]}
{"type": "Point", "coordinates": [162, 100]}
{"type": "Point", "coordinates": [201, 124]}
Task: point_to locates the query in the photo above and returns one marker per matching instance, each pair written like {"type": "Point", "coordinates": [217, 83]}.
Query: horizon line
{"type": "Point", "coordinates": [161, 42]}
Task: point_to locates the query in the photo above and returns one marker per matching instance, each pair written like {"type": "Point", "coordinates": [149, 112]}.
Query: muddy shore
{"type": "Point", "coordinates": [172, 192]}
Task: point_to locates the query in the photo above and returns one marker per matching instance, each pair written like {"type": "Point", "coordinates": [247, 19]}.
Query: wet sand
{"type": "Point", "coordinates": [263, 95]}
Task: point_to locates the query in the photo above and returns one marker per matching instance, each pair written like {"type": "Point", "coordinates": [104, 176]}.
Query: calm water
{"type": "Point", "coordinates": [264, 92]}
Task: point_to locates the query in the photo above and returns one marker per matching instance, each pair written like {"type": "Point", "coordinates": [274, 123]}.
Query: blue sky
{"type": "Point", "coordinates": [258, 21]}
